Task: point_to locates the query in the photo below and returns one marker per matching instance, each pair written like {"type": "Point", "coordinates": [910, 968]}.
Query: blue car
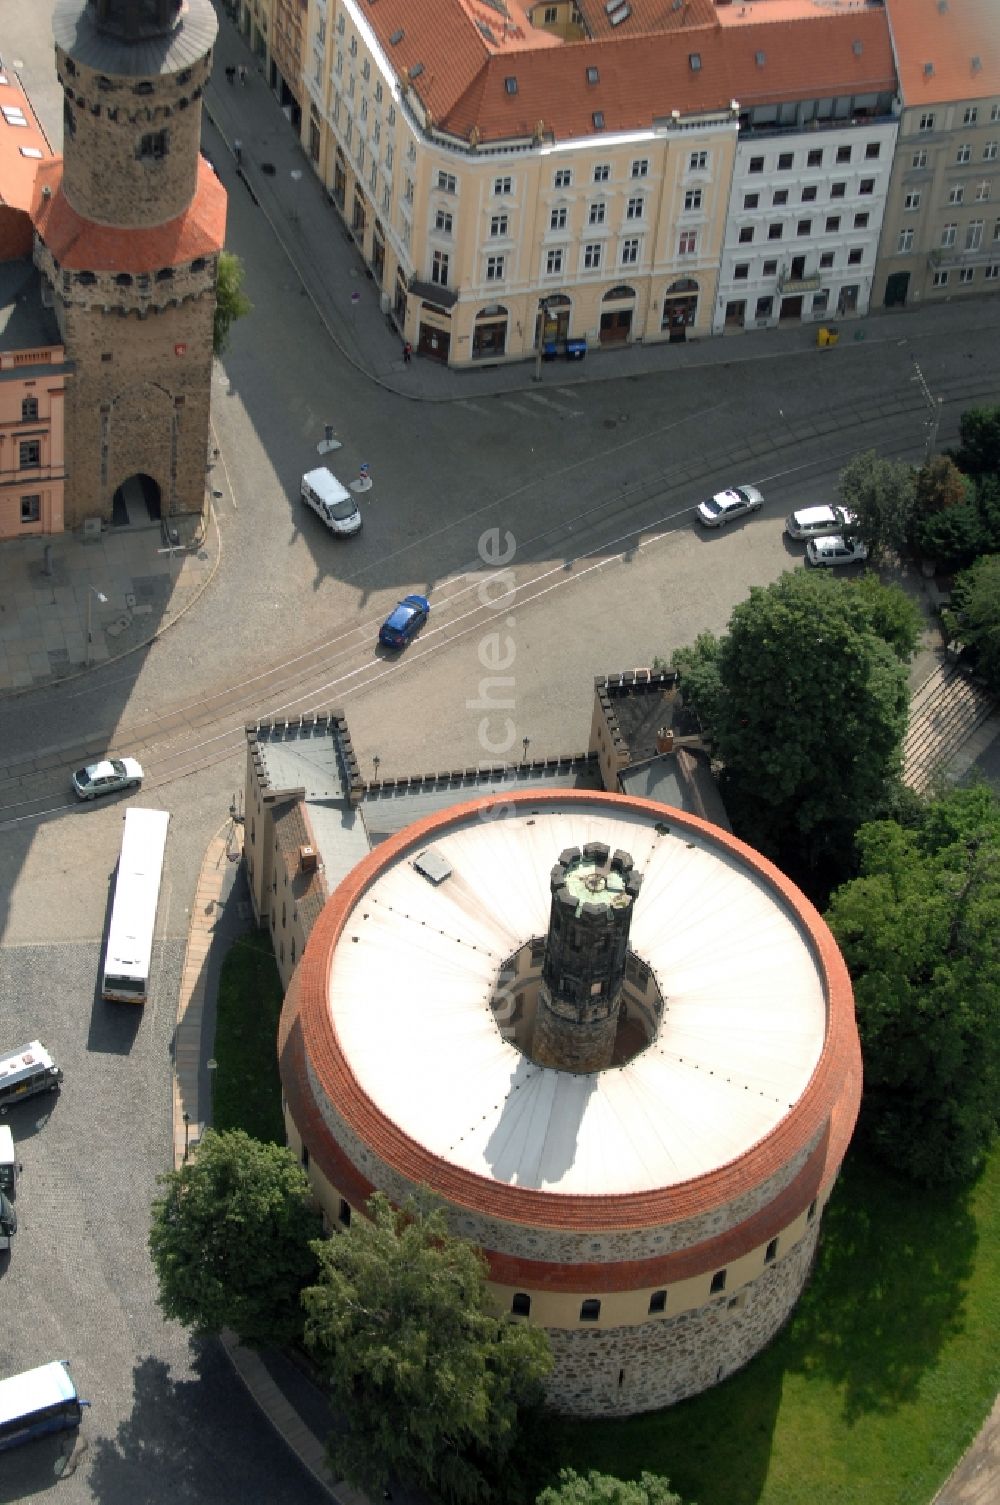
{"type": "Point", "coordinates": [404, 621]}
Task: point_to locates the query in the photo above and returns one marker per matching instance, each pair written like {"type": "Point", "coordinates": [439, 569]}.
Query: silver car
{"type": "Point", "coordinates": [727, 505]}
{"type": "Point", "coordinates": [817, 522]}
{"type": "Point", "coordinates": [835, 550]}
{"type": "Point", "coordinates": [107, 777]}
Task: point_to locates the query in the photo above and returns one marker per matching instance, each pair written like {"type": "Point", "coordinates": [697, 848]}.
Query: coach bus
{"type": "Point", "coordinates": [38, 1401]}
{"type": "Point", "coordinates": [133, 914]}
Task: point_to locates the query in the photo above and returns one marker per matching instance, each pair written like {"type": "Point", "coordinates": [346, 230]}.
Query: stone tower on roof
{"type": "Point", "coordinates": [129, 226]}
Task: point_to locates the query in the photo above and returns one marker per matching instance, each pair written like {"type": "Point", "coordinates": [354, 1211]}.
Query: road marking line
{"type": "Point", "coordinates": [516, 407]}
{"type": "Point", "coordinates": [473, 407]}
{"type": "Point", "coordinates": [557, 406]}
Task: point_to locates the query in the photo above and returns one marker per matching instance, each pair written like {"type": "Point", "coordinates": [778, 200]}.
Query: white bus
{"type": "Point", "coordinates": [133, 914]}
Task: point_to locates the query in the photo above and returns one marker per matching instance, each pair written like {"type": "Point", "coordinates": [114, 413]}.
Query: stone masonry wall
{"type": "Point", "coordinates": [622, 1370]}
{"type": "Point", "coordinates": [107, 176]}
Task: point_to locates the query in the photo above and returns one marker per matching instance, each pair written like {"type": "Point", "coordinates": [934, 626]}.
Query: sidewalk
{"type": "Point", "coordinates": [126, 586]}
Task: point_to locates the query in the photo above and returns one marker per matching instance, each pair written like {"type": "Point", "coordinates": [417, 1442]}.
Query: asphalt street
{"type": "Point", "coordinates": [594, 484]}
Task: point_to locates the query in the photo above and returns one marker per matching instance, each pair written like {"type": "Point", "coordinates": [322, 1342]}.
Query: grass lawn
{"type": "Point", "coordinates": [871, 1393]}
{"type": "Point", "coordinates": [246, 1088]}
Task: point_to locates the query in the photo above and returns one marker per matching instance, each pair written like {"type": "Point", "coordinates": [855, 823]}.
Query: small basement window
{"type": "Point", "coordinates": [590, 1311]}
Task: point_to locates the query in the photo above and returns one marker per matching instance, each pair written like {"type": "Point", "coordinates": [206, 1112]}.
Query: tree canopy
{"type": "Point", "coordinates": [806, 703]}
{"type": "Point", "coordinates": [920, 933]}
{"type": "Point", "coordinates": [230, 1239]}
{"type": "Point", "coordinates": [428, 1379]}
{"type": "Point", "coordinates": [974, 615]}
{"type": "Point", "coordinates": [231, 302]}
{"type": "Point", "coordinates": [978, 453]}
{"type": "Point", "coordinates": [603, 1489]}
{"type": "Point", "coordinates": [882, 495]}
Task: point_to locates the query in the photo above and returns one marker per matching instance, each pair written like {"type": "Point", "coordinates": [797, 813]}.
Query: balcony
{"type": "Point", "coordinates": [811, 127]}
{"type": "Point", "coordinates": [946, 257]}
{"type": "Point", "coordinates": [789, 284]}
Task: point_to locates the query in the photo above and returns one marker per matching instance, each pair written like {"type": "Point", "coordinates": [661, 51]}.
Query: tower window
{"type": "Point", "coordinates": [771, 1251]}
{"type": "Point", "coordinates": [718, 1282]}
{"type": "Point", "coordinates": [521, 1304]}
{"type": "Point", "coordinates": [143, 87]}
{"type": "Point", "coordinates": [198, 265]}
{"type": "Point", "coordinates": [658, 1302]}
{"type": "Point", "coordinates": [165, 274]}
{"type": "Point", "coordinates": [153, 146]}
{"type": "Point", "coordinates": [590, 1310]}
{"type": "Point", "coordinates": [124, 279]}
{"type": "Point", "coordinates": [344, 1215]}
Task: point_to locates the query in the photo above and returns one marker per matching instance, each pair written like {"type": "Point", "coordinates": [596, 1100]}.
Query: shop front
{"type": "Point", "coordinates": [616, 319]}
{"type": "Point", "coordinates": [489, 333]}
{"type": "Point", "coordinates": [680, 309]}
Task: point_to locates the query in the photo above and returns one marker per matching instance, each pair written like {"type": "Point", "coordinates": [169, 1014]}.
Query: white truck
{"type": "Point", "coordinates": [332, 503]}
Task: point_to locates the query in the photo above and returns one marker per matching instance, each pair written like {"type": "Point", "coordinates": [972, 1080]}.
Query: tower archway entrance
{"type": "Point", "coordinates": [137, 500]}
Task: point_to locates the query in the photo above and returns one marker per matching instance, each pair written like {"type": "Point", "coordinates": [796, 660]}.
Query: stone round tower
{"type": "Point", "coordinates": [129, 226]}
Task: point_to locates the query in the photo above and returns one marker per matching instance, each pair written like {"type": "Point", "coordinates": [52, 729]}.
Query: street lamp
{"type": "Point", "coordinates": [91, 592]}
{"type": "Point", "coordinates": [543, 308]}
{"type": "Point", "coordinates": [525, 744]}
{"type": "Point", "coordinates": [187, 1130]}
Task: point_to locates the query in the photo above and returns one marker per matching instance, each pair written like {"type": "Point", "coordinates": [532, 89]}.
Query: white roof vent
{"type": "Point", "coordinates": [432, 866]}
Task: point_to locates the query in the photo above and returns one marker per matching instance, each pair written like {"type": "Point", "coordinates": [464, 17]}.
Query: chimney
{"type": "Point", "coordinates": [307, 859]}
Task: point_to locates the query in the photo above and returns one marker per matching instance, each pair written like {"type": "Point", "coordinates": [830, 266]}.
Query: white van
{"type": "Point", "coordinates": [331, 502]}
{"type": "Point", "coordinates": [25, 1071]}
{"type": "Point", "coordinates": [8, 1165]}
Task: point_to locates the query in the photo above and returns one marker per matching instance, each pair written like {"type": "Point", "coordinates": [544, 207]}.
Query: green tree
{"type": "Point", "coordinates": [429, 1381]}
{"type": "Point", "coordinates": [882, 495]}
{"type": "Point", "coordinates": [231, 302]}
{"type": "Point", "coordinates": [698, 667]}
{"type": "Point", "coordinates": [978, 453]}
{"type": "Point", "coordinates": [974, 615]}
{"type": "Point", "coordinates": [810, 711]}
{"type": "Point", "coordinates": [952, 538]}
{"type": "Point", "coordinates": [920, 934]}
{"type": "Point", "coordinates": [231, 1239]}
{"type": "Point", "coordinates": [603, 1489]}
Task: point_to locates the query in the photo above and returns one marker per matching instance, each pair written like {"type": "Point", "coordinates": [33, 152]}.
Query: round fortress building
{"type": "Point", "coordinates": [620, 1048]}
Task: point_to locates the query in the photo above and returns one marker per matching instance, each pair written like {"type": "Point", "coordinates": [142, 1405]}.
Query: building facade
{"type": "Point", "coordinates": [657, 1214]}
{"type": "Point", "coordinates": [941, 236]}
{"type": "Point", "coordinates": [128, 229]}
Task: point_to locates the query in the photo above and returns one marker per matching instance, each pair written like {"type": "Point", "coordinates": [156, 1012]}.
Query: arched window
{"type": "Point", "coordinates": [616, 294]}
{"type": "Point", "coordinates": [521, 1304]}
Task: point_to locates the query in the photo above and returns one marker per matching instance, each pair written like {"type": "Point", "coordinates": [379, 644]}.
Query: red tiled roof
{"type": "Point", "coordinates": [646, 16]}
{"type": "Point", "coordinates": [808, 52]}
{"type": "Point", "coordinates": [83, 245]}
{"type": "Point", "coordinates": [951, 37]}
{"type": "Point", "coordinates": [17, 173]}
{"type": "Point", "coordinates": [827, 1107]}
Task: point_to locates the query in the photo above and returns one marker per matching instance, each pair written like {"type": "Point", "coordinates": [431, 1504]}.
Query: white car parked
{"type": "Point", "coordinates": [724, 506]}
{"type": "Point", "coordinates": [107, 777]}
{"type": "Point", "coordinates": [817, 522]}
{"type": "Point", "coordinates": [834, 550]}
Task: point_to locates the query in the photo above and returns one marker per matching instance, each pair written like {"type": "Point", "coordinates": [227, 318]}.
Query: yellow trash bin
{"type": "Point", "coordinates": [827, 334]}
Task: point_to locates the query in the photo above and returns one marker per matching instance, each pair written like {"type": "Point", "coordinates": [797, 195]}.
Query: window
{"type": "Point", "coordinates": [785, 161]}
{"type": "Point", "coordinates": [779, 197]}
{"type": "Point", "coordinates": [366, 70]}
{"type": "Point", "coordinates": [640, 167]}
{"type": "Point", "coordinates": [765, 307]}
{"type": "Point", "coordinates": [948, 235]}
{"type": "Point", "coordinates": [378, 92]}
{"type": "Point", "coordinates": [833, 224]}
{"type": "Point", "coordinates": [861, 221]}
{"type": "Point", "coordinates": [814, 158]}
{"type": "Point", "coordinates": [563, 178]}
{"type": "Point", "coordinates": [990, 151]}
{"type": "Point", "coordinates": [966, 274]}
{"type": "Point", "coordinates": [557, 219]}
{"type": "Point", "coordinates": [905, 242]}
{"type": "Point", "coordinates": [634, 208]}
{"type": "Point", "coordinates": [809, 194]}
{"type": "Point", "coordinates": [364, 109]}
{"type": "Point", "coordinates": [770, 1252]}
{"type": "Point", "coordinates": [344, 1214]}
{"type": "Point", "coordinates": [698, 161]}
{"type": "Point", "coordinates": [775, 230]}
{"type": "Point", "coordinates": [389, 154]}
{"type": "Point", "coordinates": [590, 1310]}
{"type": "Point", "coordinates": [812, 1211]}
{"type": "Point", "coordinates": [442, 222]}
{"type": "Point", "coordinates": [439, 268]}
{"type": "Point", "coordinates": [658, 1302]}
{"type": "Point", "coordinates": [873, 151]}
{"type": "Point", "coordinates": [995, 113]}
{"type": "Point", "coordinates": [741, 271]}
{"type": "Point", "coordinates": [494, 268]}
{"type": "Point", "coordinates": [29, 406]}
{"type": "Point", "coordinates": [521, 1304]}
{"type": "Point", "coordinates": [926, 122]}
{"type": "Point", "coordinates": [843, 154]}
{"type": "Point", "coordinates": [911, 201]}
{"type": "Point", "coordinates": [804, 227]}
{"type": "Point", "coordinates": [971, 115]}
{"type": "Point", "coordinates": [718, 1282]}
{"type": "Point", "coordinates": [446, 182]}
{"type": "Point", "coordinates": [992, 273]}
{"type": "Point", "coordinates": [153, 146]}
{"type": "Point", "coordinates": [354, 47]}
{"type": "Point", "coordinates": [602, 172]}
{"type": "Point", "coordinates": [826, 260]}
{"type": "Point", "coordinates": [592, 257]}
{"type": "Point", "coordinates": [746, 235]}
{"type": "Point", "coordinates": [919, 159]}
{"type": "Point", "coordinates": [501, 186]}
{"type": "Point", "coordinates": [838, 190]}
{"type": "Point", "coordinates": [597, 213]}
{"type": "Point", "coordinates": [692, 199]}
{"type": "Point", "coordinates": [983, 191]}
{"type": "Point", "coordinates": [756, 164]}
{"type": "Point", "coordinates": [29, 454]}
{"type": "Point", "coordinates": [940, 279]}
{"type": "Point", "coordinates": [974, 235]}
{"type": "Point", "coordinates": [498, 225]}
{"type": "Point", "coordinates": [31, 508]}
{"type": "Point", "coordinates": [550, 14]}
{"type": "Point", "coordinates": [996, 229]}
{"type": "Point", "coordinates": [956, 195]}
{"type": "Point", "coordinates": [770, 269]}
{"type": "Point", "coordinates": [964, 153]}
{"type": "Point", "coordinates": [855, 256]}
{"type": "Point", "coordinates": [553, 262]}
{"type": "Point", "coordinates": [751, 200]}
{"type": "Point", "coordinates": [688, 243]}
{"type": "Point", "coordinates": [630, 252]}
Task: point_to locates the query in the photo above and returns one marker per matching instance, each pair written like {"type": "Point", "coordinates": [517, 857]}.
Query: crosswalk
{"type": "Point", "coordinates": [527, 404]}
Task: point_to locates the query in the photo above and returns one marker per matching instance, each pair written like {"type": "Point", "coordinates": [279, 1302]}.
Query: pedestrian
{"type": "Point", "coordinates": [243, 74]}
{"type": "Point", "coordinates": [238, 151]}
{"type": "Point", "coordinates": [231, 74]}
{"type": "Point", "coordinates": [407, 352]}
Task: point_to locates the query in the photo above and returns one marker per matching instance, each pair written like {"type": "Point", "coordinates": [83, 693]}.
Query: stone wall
{"type": "Point", "coordinates": [622, 1370]}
